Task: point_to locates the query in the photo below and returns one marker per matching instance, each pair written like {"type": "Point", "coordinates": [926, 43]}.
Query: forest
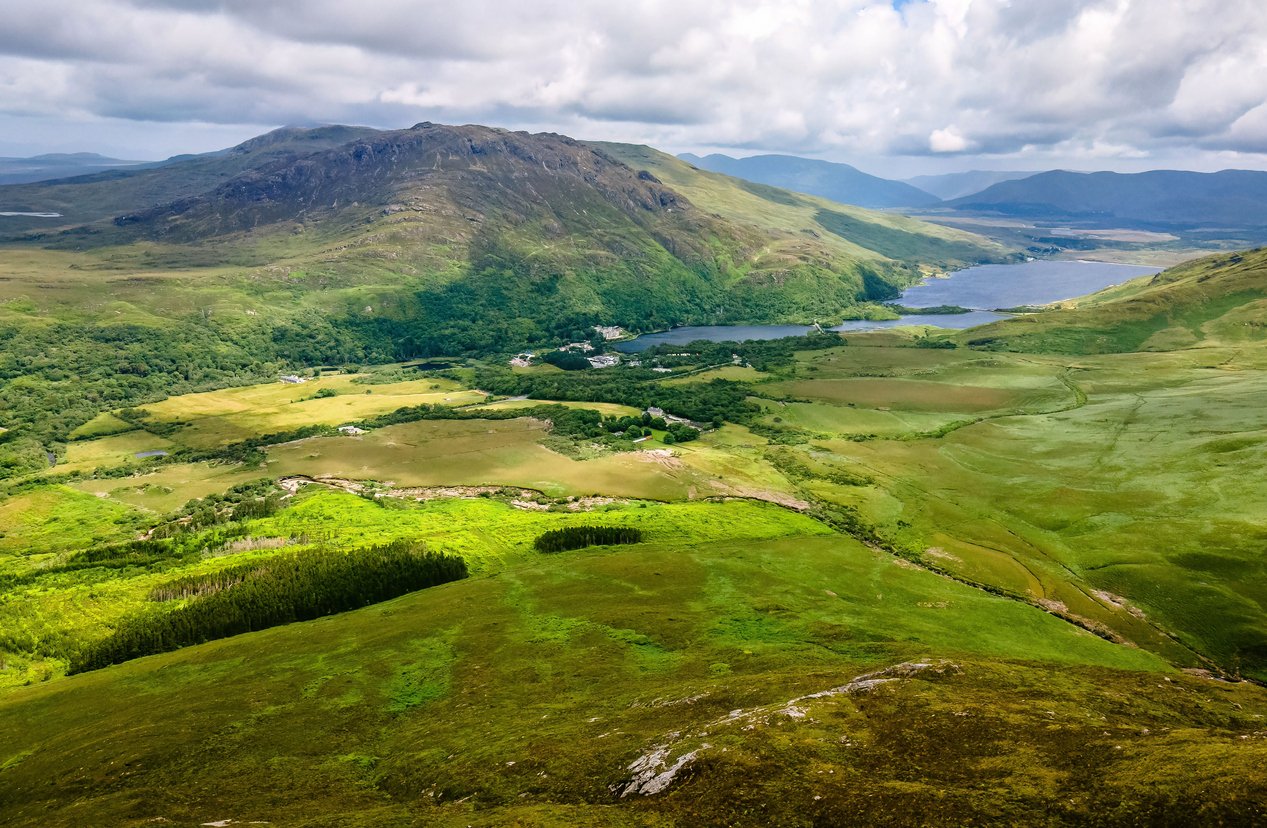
{"type": "Point", "coordinates": [262, 594]}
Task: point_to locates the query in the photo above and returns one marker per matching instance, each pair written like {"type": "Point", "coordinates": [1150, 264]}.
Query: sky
{"type": "Point", "coordinates": [897, 87]}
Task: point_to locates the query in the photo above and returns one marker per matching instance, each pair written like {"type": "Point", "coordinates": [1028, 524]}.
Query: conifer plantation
{"type": "Point", "coordinates": [284, 589]}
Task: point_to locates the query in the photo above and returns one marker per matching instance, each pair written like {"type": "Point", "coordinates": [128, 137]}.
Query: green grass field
{"type": "Point", "coordinates": [56, 610]}
{"type": "Point", "coordinates": [697, 647]}
{"type": "Point", "coordinates": [218, 418]}
{"type": "Point", "coordinates": [1057, 536]}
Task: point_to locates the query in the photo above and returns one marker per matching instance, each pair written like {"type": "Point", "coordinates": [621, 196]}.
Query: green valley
{"type": "Point", "coordinates": [292, 508]}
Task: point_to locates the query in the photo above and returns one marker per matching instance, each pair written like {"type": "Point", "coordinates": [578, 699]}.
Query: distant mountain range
{"type": "Point", "coordinates": [57, 165]}
{"type": "Point", "coordinates": [1157, 199]}
{"type": "Point", "coordinates": [1161, 199]}
{"type": "Point", "coordinates": [828, 179]}
{"type": "Point", "coordinates": [956, 185]}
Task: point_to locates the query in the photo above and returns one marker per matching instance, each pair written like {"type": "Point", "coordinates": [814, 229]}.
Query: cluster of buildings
{"type": "Point", "coordinates": [604, 360]}
{"type": "Point", "coordinates": [525, 358]}
{"type": "Point", "coordinates": [610, 332]}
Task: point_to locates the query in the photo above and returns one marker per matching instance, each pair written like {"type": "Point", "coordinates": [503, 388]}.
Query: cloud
{"type": "Point", "coordinates": [837, 78]}
{"type": "Point", "coordinates": [947, 140]}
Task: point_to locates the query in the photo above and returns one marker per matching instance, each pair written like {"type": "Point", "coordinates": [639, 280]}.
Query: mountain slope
{"type": "Point", "coordinates": [1215, 300]}
{"type": "Point", "coordinates": [769, 675]}
{"type": "Point", "coordinates": [858, 231]}
{"type": "Point", "coordinates": [103, 195]}
{"type": "Point", "coordinates": [838, 182]}
{"type": "Point", "coordinates": [960, 184]}
{"type": "Point", "coordinates": [427, 241]}
{"type": "Point", "coordinates": [542, 221]}
{"type": "Point", "coordinates": [1236, 198]}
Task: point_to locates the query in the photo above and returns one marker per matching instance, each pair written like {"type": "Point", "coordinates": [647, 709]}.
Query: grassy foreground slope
{"type": "Point", "coordinates": [525, 698]}
{"type": "Point", "coordinates": [1014, 579]}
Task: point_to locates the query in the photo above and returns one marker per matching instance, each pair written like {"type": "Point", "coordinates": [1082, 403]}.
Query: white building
{"type": "Point", "coordinates": [604, 360]}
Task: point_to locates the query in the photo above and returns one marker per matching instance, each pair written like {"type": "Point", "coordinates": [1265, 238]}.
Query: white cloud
{"type": "Point", "coordinates": [1066, 79]}
{"type": "Point", "coordinates": [947, 140]}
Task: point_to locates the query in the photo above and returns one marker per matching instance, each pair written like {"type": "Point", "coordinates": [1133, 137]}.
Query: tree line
{"type": "Point", "coordinates": [579, 537]}
{"type": "Point", "coordinates": [269, 593]}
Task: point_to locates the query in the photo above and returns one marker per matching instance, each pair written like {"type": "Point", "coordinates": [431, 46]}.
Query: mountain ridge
{"type": "Point", "coordinates": [1158, 198]}
{"type": "Point", "coordinates": [828, 179]}
{"type": "Point", "coordinates": [959, 184]}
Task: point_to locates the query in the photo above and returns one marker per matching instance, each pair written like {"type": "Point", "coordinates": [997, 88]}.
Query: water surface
{"type": "Point", "coordinates": [982, 289]}
{"type": "Point", "coordinates": [1039, 282]}
{"type": "Point", "coordinates": [937, 320]}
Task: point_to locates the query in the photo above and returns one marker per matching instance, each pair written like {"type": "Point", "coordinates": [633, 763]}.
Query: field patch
{"type": "Point", "coordinates": [168, 487]}
{"type": "Point", "coordinates": [128, 448]}
{"type": "Point", "coordinates": [218, 418]}
{"type": "Point", "coordinates": [52, 519]}
{"type": "Point", "coordinates": [902, 394]}
{"type": "Point", "coordinates": [483, 452]}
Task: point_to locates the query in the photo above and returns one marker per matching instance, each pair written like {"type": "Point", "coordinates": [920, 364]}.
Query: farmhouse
{"type": "Point", "coordinates": [604, 360]}
{"type": "Point", "coordinates": [291, 379]}
{"type": "Point", "coordinates": [350, 430]}
{"type": "Point", "coordinates": [655, 411]}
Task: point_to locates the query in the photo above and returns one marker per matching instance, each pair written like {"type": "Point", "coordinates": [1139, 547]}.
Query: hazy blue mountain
{"type": "Point", "coordinates": [959, 184]}
{"type": "Point", "coordinates": [838, 182]}
{"type": "Point", "coordinates": [56, 165]}
{"type": "Point", "coordinates": [1232, 198]}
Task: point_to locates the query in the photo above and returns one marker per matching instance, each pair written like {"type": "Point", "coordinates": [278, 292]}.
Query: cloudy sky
{"type": "Point", "coordinates": [901, 87]}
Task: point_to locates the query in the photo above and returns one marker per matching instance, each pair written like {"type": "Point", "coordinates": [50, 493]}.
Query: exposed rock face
{"type": "Point", "coordinates": [480, 170]}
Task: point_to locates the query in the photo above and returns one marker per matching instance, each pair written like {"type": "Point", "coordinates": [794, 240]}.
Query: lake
{"type": "Point", "coordinates": [981, 288]}
{"type": "Point", "coordinates": [1039, 282]}
{"type": "Point", "coordinates": [33, 215]}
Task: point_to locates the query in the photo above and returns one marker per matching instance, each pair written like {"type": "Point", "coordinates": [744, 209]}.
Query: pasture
{"type": "Point", "coordinates": [622, 649]}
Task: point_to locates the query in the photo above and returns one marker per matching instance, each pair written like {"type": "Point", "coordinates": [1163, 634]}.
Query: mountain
{"type": "Point", "coordinates": [304, 248]}
{"type": "Point", "coordinates": [957, 185]}
{"type": "Point", "coordinates": [838, 182]}
{"type": "Point", "coordinates": [103, 194]}
{"type": "Point", "coordinates": [571, 229]}
{"type": "Point", "coordinates": [57, 165]}
{"type": "Point", "coordinates": [1161, 198]}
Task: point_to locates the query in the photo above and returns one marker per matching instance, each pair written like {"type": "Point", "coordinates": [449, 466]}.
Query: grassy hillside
{"type": "Point", "coordinates": [837, 182]}
{"type": "Point", "coordinates": [903, 585]}
{"type": "Point", "coordinates": [1218, 300]}
{"type": "Point", "coordinates": [420, 711]}
{"type": "Point", "coordinates": [807, 219]}
{"type": "Point", "coordinates": [340, 245]}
